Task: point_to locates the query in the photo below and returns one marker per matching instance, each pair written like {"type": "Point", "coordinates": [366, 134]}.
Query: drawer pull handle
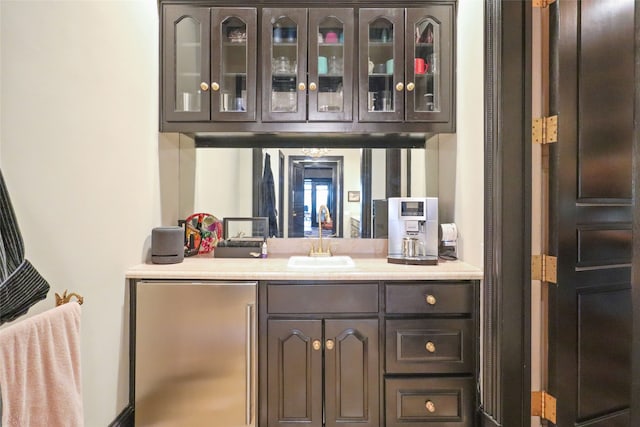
{"type": "Point", "coordinates": [431, 347]}
{"type": "Point", "coordinates": [431, 300]}
{"type": "Point", "coordinates": [316, 345]}
{"type": "Point", "coordinates": [431, 407]}
{"type": "Point", "coordinates": [330, 344]}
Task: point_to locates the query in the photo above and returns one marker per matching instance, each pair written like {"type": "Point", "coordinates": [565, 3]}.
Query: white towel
{"type": "Point", "coordinates": [40, 376]}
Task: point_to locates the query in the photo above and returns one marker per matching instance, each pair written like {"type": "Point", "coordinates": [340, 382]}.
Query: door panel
{"type": "Point", "coordinates": [351, 373]}
{"type": "Point", "coordinates": [294, 373]}
{"type": "Point", "coordinates": [605, 360]}
{"type": "Point", "coordinates": [590, 173]}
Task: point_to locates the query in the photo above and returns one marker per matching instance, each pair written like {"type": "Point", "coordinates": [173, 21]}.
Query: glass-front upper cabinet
{"type": "Point", "coordinates": [185, 63]}
{"type": "Point", "coordinates": [407, 69]}
{"type": "Point", "coordinates": [428, 64]}
{"type": "Point", "coordinates": [233, 64]}
{"type": "Point", "coordinates": [330, 69]}
{"type": "Point", "coordinates": [209, 63]}
{"type": "Point", "coordinates": [381, 57]}
{"type": "Point", "coordinates": [284, 64]}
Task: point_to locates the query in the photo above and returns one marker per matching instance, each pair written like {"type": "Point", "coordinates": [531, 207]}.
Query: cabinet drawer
{"type": "Point", "coordinates": [430, 346]}
{"type": "Point", "coordinates": [429, 401]}
{"type": "Point", "coordinates": [322, 298]}
{"type": "Point", "coordinates": [436, 298]}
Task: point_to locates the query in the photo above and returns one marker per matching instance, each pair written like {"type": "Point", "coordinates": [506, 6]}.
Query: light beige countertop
{"type": "Point", "coordinates": [275, 268]}
{"type": "Point", "coordinates": [369, 256]}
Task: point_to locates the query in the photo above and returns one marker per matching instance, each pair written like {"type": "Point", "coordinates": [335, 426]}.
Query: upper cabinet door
{"type": "Point", "coordinates": [381, 65]}
{"type": "Point", "coordinates": [233, 64]}
{"type": "Point", "coordinates": [330, 69]}
{"type": "Point", "coordinates": [429, 64]}
{"type": "Point", "coordinates": [186, 63]}
{"type": "Point", "coordinates": [284, 64]}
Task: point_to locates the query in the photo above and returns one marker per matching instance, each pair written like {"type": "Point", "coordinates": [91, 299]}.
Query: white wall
{"type": "Point", "coordinates": [82, 161]}
{"type": "Point", "coordinates": [468, 183]}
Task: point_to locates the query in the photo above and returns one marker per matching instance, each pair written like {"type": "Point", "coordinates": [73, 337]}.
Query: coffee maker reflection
{"type": "Point", "coordinates": [413, 230]}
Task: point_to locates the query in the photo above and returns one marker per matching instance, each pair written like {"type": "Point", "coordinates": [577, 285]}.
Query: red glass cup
{"type": "Point", "coordinates": [419, 66]}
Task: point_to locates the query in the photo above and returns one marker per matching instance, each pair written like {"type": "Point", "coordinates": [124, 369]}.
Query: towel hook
{"type": "Point", "coordinates": [65, 298]}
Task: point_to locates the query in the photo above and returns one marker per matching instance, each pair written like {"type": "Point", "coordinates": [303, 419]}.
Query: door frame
{"type": "Point", "coordinates": [506, 351]}
{"type": "Point", "coordinates": [506, 329]}
{"type": "Point", "coordinates": [336, 163]}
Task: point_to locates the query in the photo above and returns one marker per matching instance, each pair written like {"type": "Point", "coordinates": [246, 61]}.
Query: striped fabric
{"type": "Point", "coordinates": [21, 286]}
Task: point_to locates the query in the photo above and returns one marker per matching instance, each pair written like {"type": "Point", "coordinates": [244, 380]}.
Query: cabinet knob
{"type": "Point", "coordinates": [400, 86]}
{"type": "Point", "coordinates": [215, 86]}
{"type": "Point", "coordinates": [410, 86]}
{"type": "Point", "coordinates": [430, 406]}
{"type": "Point", "coordinates": [301, 86]}
{"type": "Point", "coordinates": [430, 299]}
{"type": "Point", "coordinates": [313, 86]}
{"type": "Point", "coordinates": [204, 86]}
{"type": "Point", "coordinates": [330, 344]}
{"type": "Point", "coordinates": [317, 345]}
{"type": "Point", "coordinates": [430, 346]}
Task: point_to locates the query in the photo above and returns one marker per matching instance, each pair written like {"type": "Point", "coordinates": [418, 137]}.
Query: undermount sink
{"type": "Point", "coordinates": [310, 262]}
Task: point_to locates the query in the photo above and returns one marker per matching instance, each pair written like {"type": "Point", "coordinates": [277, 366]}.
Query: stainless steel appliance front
{"type": "Point", "coordinates": [195, 354]}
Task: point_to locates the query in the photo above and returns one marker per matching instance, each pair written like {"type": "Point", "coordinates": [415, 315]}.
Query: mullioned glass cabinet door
{"type": "Point", "coordinates": [429, 64]}
{"type": "Point", "coordinates": [186, 63]}
{"type": "Point", "coordinates": [233, 64]}
{"type": "Point", "coordinates": [284, 64]}
{"type": "Point", "coordinates": [381, 65]}
{"type": "Point", "coordinates": [330, 68]}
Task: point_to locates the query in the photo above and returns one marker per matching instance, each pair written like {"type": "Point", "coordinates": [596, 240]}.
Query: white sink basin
{"type": "Point", "coordinates": [310, 262]}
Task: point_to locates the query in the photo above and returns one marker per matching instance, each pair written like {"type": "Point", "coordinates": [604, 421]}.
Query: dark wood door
{"type": "Point", "coordinates": [284, 64]}
{"type": "Point", "coordinates": [590, 224]}
{"type": "Point", "coordinates": [185, 63]}
{"type": "Point", "coordinates": [380, 34]}
{"type": "Point", "coordinates": [429, 38]}
{"type": "Point", "coordinates": [234, 46]}
{"type": "Point", "coordinates": [294, 373]}
{"type": "Point", "coordinates": [351, 373]}
{"type": "Point", "coordinates": [331, 37]}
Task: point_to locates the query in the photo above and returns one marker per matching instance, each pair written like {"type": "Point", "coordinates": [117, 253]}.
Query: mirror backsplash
{"type": "Point", "coordinates": [220, 181]}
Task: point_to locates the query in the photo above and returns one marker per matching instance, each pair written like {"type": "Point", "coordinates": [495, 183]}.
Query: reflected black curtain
{"type": "Point", "coordinates": [268, 197]}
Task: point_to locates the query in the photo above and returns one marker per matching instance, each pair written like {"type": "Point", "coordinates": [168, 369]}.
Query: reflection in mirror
{"type": "Point", "coordinates": [351, 182]}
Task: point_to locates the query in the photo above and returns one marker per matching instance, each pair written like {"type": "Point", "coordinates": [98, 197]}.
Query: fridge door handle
{"type": "Point", "coordinates": [249, 367]}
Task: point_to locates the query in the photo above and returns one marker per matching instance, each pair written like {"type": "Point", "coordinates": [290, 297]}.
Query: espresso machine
{"type": "Point", "coordinates": [413, 230]}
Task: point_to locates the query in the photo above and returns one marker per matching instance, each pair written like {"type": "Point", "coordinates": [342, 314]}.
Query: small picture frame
{"type": "Point", "coordinates": [353, 196]}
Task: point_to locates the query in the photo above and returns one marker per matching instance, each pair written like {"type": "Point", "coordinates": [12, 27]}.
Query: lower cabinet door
{"type": "Point", "coordinates": [294, 379]}
{"type": "Point", "coordinates": [419, 402]}
{"type": "Point", "coordinates": [351, 373]}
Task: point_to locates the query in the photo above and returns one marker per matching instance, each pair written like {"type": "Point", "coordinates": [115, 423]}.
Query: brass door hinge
{"type": "Point", "coordinates": [545, 268]}
{"type": "Point", "coordinates": [542, 3]}
{"type": "Point", "coordinates": [545, 130]}
{"type": "Point", "coordinates": [543, 405]}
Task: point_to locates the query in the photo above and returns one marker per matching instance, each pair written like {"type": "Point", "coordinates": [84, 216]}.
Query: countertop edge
{"type": "Point", "coordinates": [276, 269]}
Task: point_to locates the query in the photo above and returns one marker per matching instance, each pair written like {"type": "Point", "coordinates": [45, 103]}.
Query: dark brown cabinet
{"type": "Point", "coordinates": [301, 390]}
{"type": "Point", "coordinates": [208, 64]}
{"type": "Point", "coordinates": [313, 69]}
{"type": "Point", "coordinates": [307, 59]}
{"type": "Point", "coordinates": [322, 364]}
{"type": "Point", "coordinates": [430, 353]}
{"type": "Point", "coordinates": [406, 64]}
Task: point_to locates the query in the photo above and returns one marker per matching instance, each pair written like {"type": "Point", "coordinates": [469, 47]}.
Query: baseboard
{"type": "Point", "coordinates": [125, 419]}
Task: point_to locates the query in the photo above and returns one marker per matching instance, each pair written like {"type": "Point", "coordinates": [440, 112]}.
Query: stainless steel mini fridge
{"type": "Point", "coordinates": [195, 358]}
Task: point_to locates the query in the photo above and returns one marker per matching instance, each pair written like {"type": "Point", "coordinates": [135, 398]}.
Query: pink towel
{"type": "Point", "coordinates": [40, 370]}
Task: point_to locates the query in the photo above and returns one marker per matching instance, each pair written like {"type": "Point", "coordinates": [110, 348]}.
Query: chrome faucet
{"type": "Point", "coordinates": [320, 251]}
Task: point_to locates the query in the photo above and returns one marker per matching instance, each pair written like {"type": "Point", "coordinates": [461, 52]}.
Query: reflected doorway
{"type": "Point", "coordinates": [315, 183]}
